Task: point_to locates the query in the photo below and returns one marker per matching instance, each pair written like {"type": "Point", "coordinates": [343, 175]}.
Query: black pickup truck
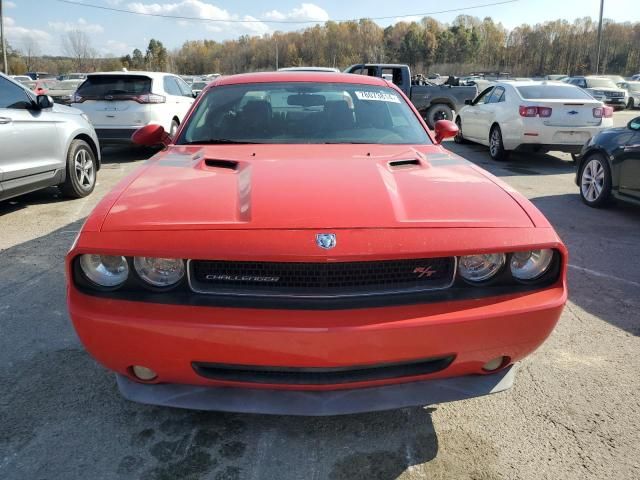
{"type": "Point", "coordinates": [434, 102]}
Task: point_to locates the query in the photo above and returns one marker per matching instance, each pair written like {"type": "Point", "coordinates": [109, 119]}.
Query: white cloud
{"type": "Point", "coordinates": [225, 21]}
{"type": "Point", "coordinates": [114, 47]}
{"type": "Point", "coordinates": [303, 13]}
{"type": "Point", "coordinates": [81, 25]}
{"type": "Point", "coordinates": [409, 19]}
{"type": "Point", "coordinates": [18, 36]}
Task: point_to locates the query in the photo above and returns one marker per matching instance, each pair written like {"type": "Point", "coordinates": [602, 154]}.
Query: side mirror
{"type": "Point", "coordinates": [468, 102]}
{"type": "Point", "coordinates": [634, 124]}
{"type": "Point", "coordinates": [44, 101]}
{"type": "Point", "coordinates": [445, 129]}
{"type": "Point", "coordinates": [151, 136]}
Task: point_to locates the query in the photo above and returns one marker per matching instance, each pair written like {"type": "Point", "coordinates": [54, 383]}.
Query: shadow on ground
{"type": "Point", "coordinates": [518, 163]}
{"type": "Point", "coordinates": [604, 247]}
{"type": "Point", "coordinates": [61, 415]}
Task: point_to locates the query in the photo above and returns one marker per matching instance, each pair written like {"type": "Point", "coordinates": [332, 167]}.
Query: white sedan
{"type": "Point", "coordinates": [532, 116]}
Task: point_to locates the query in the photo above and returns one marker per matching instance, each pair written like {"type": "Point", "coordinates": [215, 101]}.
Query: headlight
{"type": "Point", "coordinates": [105, 270]}
{"type": "Point", "coordinates": [477, 268]}
{"type": "Point", "coordinates": [530, 265]}
{"type": "Point", "coordinates": [159, 272]}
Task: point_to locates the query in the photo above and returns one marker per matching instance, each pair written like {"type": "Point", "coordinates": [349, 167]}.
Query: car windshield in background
{"type": "Point", "coordinates": [198, 85]}
{"type": "Point", "coordinates": [101, 85]}
{"type": "Point", "coordinates": [600, 83]}
{"type": "Point", "coordinates": [303, 112]}
{"type": "Point", "coordinates": [552, 92]}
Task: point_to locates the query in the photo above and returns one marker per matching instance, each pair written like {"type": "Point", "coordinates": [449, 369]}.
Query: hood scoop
{"type": "Point", "coordinates": [408, 163]}
{"type": "Point", "coordinates": [224, 164]}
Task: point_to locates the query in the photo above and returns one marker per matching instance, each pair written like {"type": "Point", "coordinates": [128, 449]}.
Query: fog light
{"type": "Point", "coordinates": [143, 373]}
{"type": "Point", "coordinates": [495, 364]}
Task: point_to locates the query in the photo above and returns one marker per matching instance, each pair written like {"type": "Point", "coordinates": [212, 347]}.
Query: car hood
{"type": "Point", "coordinates": [311, 186]}
{"type": "Point", "coordinates": [606, 89]}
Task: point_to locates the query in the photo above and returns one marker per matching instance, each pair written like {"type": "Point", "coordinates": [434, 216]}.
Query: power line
{"type": "Point", "coordinates": [182, 17]}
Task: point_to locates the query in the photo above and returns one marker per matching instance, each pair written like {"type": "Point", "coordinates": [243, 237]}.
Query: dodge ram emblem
{"type": "Point", "coordinates": [326, 240]}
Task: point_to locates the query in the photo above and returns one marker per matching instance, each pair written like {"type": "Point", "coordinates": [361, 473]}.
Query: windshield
{"type": "Point", "coordinates": [198, 85]}
{"type": "Point", "coordinates": [600, 83]}
{"type": "Point", "coordinates": [101, 85]}
{"type": "Point", "coordinates": [302, 112]}
{"type": "Point", "coordinates": [553, 92]}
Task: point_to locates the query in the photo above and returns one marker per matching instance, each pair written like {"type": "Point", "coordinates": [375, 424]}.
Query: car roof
{"type": "Point", "coordinates": [308, 69]}
{"type": "Point", "coordinates": [289, 76]}
{"type": "Point", "coordinates": [529, 83]}
{"type": "Point", "coordinates": [133, 72]}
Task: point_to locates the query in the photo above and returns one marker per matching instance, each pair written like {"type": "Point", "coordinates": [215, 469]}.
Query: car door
{"type": "Point", "coordinates": [471, 115]}
{"type": "Point", "coordinates": [630, 162]}
{"type": "Point", "coordinates": [30, 148]}
{"type": "Point", "coordinates": [187, 95]}
{"type": "Point", "coordinates": [176, 98]}
{"type": "Point", "coordinates": [487, 112]}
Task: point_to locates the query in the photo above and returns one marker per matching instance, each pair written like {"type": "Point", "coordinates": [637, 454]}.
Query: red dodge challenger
{"type": "Point", "coordinates": [305, 245]}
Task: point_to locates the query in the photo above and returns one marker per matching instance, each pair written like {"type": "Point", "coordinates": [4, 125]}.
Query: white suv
{"type": "Point", "coordinates": [118, 103]}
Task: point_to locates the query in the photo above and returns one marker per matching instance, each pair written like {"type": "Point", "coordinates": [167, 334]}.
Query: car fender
{"type": "Point", "coordinates": [88, 135]}
{"type": "Point", "coordinates": [585, 154]}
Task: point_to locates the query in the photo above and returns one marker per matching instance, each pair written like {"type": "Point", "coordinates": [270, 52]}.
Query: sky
{"type": "Point", "coordinates": [114, 34]}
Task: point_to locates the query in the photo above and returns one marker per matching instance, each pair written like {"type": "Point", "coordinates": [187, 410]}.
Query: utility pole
{"type": "Point", "coordinates": [3, 43]}
{"type": "Point", "coordinates": [599, 38]}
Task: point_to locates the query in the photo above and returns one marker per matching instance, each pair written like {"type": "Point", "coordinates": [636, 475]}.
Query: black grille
{"type": "Point", "coordinates": [321, 279]}
{"type": "Point", "coordinates": [320, 376]}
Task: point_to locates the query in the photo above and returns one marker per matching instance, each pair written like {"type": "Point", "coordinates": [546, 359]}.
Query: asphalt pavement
{"type": "Point", "coordinates": [574, 412]}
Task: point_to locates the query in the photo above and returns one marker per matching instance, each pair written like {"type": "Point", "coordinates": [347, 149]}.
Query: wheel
{"type": "Point", "coordinates": [459, 138]}
{"type": "Point", "coordinates": [630, 103]}
{"type": "Point", "coordinates": [437, 112]}
{"type": "Point", "coordinates": [174, 128]}
{"type": "Point", "coordinates": [80, 179]}
{"type": "Point", "coordinates": [496, 147]}
{"type": "Point", "coordinates": [595, 181]}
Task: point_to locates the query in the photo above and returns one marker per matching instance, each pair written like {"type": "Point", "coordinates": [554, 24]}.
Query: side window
{"type": "Point", "coordinates": [171, 87]}
{"type": "Point", "coordinates": [184, 88]}
{"type": "Point", "coordinates": [582, 83]}
{"type": "Point", "coordinates": [12, 96]}
{"type": "Point", "coordinates": [497, 95]}
{"type": "Point", "coordinates": [483, 97]}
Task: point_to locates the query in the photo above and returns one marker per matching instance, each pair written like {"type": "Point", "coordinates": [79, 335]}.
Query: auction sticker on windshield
{"type": "Point", "coordinates": [378, 96]}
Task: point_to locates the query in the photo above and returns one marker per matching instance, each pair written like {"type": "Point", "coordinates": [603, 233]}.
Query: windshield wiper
{"type": "Point", "coordinates": [220, 141]}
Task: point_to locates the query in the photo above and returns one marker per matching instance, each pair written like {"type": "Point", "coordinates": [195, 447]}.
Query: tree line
{"type": "Point", "coordinates": [467, 44]}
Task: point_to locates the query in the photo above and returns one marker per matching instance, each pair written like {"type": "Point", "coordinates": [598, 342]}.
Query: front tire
{"type": "Point", "coordinates": [630, 104]}
{"type": "Point", "coordinates": [437, 112]}
{"type": "Point", "coordinates": [459, 138]}
{"type": "Point", "coordinates": [80, 179]}
{"type": "Point", "coordinates": [496, 147]}
{"type": "Point", "coordinates": [595, 181]}
{"type": "Point", "coordinates": [174, 128]}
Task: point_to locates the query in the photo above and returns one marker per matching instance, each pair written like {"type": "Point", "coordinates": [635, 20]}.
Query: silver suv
{"type": "Point", "coordinates": [43, 144]}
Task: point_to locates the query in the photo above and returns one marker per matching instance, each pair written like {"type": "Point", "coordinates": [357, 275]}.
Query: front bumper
{"type": "Point", "coordinates": [170, 338]}
{"type": "Point", "coordinates": [317, 403]}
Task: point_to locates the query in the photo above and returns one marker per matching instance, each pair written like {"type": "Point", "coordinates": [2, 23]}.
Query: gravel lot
{"type": "Point", "coordinates": [574, 412]}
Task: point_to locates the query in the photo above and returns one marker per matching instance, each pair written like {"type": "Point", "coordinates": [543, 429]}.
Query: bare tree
{"type": "Point", "coordinates": [77, 45]}
{"type": "Point", "coordinates": [31, 49]}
